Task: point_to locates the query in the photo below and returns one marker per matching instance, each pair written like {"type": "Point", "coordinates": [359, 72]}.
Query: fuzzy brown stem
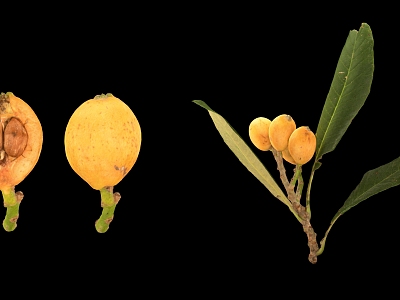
{"type": "Point", "coordinates": [282, 171]}
{"type": "Point", "coordinates": [294, 198]}
{"type": "Point", "coordinates": [311, 235]}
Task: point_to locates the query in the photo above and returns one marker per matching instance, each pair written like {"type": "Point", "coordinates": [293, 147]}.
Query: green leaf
{"type": "Point", "coordinates": [244, 153]}
{"type": "Point", "coordinates": [373, 182]}
{"type": "Point", "coordinates": [349, 89]}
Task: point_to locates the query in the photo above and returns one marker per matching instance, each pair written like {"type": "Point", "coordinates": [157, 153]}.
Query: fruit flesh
{"type": "Point", "coordinates": [14, 169]}
{"type": "Point", "coordinates": [258, 132]}
{"type": "Point", "coordinates": [302, 144]}
{"type": "Point", "coordinates": [280, 130]}
{"type": "Point", "coordinates": [102, 141]}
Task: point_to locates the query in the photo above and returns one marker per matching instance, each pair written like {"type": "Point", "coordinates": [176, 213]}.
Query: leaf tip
{"type": "Point", "coordinates": [202, 104]}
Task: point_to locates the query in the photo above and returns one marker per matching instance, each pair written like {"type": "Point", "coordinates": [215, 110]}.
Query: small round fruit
{"type": "Point", "coordinates": [280, 130]}
{"type": "Point", "coordinates": [258, 131]}
{"type": "Point", "coordinates": [102, 141]}
{"type": "Point", "coordinates": [286, 156]}
{"type": "Point", "coordinates": [302, 144]}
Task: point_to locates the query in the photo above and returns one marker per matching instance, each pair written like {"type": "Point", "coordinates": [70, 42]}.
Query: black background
{"type": "Point", "coordinates": [189, 209]}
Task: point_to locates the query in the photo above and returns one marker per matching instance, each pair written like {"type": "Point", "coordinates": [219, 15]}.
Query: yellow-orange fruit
{"type": "Point", "coordinates": [302, 144]}
{"type": "Point", "coordinates": [102, 141]}
{"type": "Point", "coordinates": [258, 131]}
{"type": "Point", "coordinates": [286, 156]}
{"type": "Point", "coordinates": [280, 130]}
{"type": "Point", "coordinates": [21, 139]}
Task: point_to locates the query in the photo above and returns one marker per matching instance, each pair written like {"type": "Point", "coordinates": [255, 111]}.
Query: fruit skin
{"type": "Point", "coordinates": [13, 170]}
{"type": "Point", "coordinates": [286, 156]}
{"type": "Point", "coordinates": [259, 133]}
{"type": "Point", "coordinates": [302, 145]}
{"type": "Point", "coordinates": [280, 130]}
{"type": "Point", "coordinates": [102, 141]}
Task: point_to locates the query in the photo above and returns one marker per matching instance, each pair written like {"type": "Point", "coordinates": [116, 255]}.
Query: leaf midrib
{"type": "Point", "coordinates": [340, 97]}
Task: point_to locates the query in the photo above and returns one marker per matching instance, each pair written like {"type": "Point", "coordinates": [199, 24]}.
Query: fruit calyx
{"type": "Point", "coordinates": [103, 96]}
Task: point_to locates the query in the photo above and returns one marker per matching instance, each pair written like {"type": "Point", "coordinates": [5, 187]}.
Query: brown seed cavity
{"type": "Point", "coordinates": [15, 138]}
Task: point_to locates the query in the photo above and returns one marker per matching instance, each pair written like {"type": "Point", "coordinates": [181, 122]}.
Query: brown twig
{"type": "Point", "coordinates": [282, 172]}
{"type": "Point", "coordinates": [294, 198]}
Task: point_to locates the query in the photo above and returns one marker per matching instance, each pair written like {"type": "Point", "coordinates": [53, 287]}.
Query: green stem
{"type": "Point", "coordinates": [322, 242]}
{"type": "Point", "coordinates": [308, 206]}
{"type": "Point", "coordinates": [108, 202]}
{"type": "Point", "coordinates": [11, 201]}
{"type": "Point", "coordinates": [299, 189]}
{"type": "Point", "coordinates": [297, 174]}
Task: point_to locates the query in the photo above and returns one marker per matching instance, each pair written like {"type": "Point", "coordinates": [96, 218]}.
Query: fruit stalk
{"type": "Point", "coordinates": [299, 189]}
{"type": "Point", "coordinates": [282, 171]}
{"type": "Point", "coordinates": [11, 202]}
{"type": "Point", "coordinates": [296, 176]}
{"type": "Point", "coordinates": [308, 194]}
{"type": "Point", "coordinates": [108, 202]}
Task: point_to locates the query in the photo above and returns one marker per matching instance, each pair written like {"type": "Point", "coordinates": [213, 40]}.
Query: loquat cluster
{"type": "Point", "coordinates": [296, 144]}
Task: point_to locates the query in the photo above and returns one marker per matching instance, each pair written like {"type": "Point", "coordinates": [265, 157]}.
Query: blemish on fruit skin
{"type": "Point", "coordinates": [122, 169]}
